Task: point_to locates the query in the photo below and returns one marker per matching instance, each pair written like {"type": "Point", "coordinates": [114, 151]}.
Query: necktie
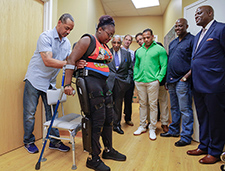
{"type": "Point", "coordinates": [203, 32]}
{"type": "Point", "coordinates": [117, 60]}
{"type": "Point", "coordinates": [201, 37]}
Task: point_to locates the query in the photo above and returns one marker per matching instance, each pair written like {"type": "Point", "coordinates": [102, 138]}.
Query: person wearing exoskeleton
{"type": "Point", "coordinates": [95, 76]}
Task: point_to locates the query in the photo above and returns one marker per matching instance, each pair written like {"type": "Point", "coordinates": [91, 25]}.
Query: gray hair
{"type": "Point", "coordinates": [65, 16]}
{"type": "Point", "coordinates": [117, 36]}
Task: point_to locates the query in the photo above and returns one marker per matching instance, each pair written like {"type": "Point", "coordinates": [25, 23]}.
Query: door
{"type": "Point", "coordinates": [21, 25]}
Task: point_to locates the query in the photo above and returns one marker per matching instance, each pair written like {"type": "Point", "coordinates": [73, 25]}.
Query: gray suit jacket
{"type": "Point", "coordinates": [124, 73]}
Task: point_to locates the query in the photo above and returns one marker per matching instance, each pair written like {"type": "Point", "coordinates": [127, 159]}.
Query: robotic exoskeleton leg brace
{"type": "Point", "coordinates": [85, 108]}
{"type": "Point", "coordinates": [96, 104]}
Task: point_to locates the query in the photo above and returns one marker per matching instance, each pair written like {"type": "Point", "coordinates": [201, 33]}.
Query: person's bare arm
{"type": "Point", "coordinates": [78, 51]}
{"type": "Point", "coordinates": [186, 76]}
{"type": "Point", "coordinates": [51, 62]}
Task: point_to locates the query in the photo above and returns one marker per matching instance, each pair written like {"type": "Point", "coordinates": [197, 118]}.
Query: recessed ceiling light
{"type": "Point", "coordinates": [145, 3]}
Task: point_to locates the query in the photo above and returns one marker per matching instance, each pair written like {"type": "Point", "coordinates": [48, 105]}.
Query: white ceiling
{"type": "Point", "coordinates": [121, 8]}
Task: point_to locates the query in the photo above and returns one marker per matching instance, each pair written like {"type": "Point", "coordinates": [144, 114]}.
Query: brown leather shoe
{"type": "Point", "coordinates": [196, 152]}
{"type": "Point", "coordinates": [130, 123]}
{"type": "Point", "coordinates": [208, 159]}
{"type": "Point", "coordinates": [165, 128]}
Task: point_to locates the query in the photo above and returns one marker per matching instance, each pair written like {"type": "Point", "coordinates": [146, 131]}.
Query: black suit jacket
{"type": "Point", "coordinates": [124, 73]}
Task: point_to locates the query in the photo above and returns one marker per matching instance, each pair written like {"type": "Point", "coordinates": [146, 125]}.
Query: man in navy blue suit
{"type": "Point", "coordinates": [208, 75]}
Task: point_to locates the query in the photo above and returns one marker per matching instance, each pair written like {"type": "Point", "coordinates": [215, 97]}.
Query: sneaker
{"type": "Point", "coordinates": [152, 134]}
{"type": "Point", "coordinates": [113, 154]}
{"type": "Point", "coordinates": [97, 164]}
{"type": "Point", "coordinates": [59, 146]}
{"type": "Point", "coordinates": [140, 130]}
{"type": "Point", "coordinates": [31, 148]}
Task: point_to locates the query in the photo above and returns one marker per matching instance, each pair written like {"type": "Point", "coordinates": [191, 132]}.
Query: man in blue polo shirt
{"type": "Point", "coordinates": [49, 57]}
{"type": "Point", "coordinates": [179, 84]}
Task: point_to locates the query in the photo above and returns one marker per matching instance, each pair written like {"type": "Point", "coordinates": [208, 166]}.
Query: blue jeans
{"type": "Point", "coordinates": [181, 108]}
{"type": "Point", "coordinates": [30, 102]}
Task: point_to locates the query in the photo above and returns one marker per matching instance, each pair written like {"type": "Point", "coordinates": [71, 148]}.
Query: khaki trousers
{"type": "Point", "coordinates": [148, 94]}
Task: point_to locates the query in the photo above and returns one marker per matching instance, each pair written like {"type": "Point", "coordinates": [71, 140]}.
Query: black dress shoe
{"type": "Point", "coordinates": [181, 143]}
{"type": "Point", "coordinates": [130, 123]}
{"type": "Point", "coordinates": [114, 155]}
{"type": "Point", "coordinates": [97, 164]}
{"type": "Point", "coordinates": [167, 134]}
{"type": "Point", "coordinates": [118, 130]}
{"type": "Point", "coordinates": [147, 125]}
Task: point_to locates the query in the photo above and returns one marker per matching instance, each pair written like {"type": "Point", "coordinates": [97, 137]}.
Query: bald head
{"type": "Point", "coordinates": [181, 27]}
{"type": "Point", "coordinates": [203, 15]}
{"type": "Point", "coordinates": [182, 20]}
{"type": "Point", "coordinates": [209, 9]}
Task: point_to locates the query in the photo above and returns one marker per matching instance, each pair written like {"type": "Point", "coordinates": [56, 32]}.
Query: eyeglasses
{"type": "Point", "coordinates": [110, 35]}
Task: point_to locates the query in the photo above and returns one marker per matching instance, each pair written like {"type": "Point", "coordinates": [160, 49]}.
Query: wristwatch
{"type": "Point", "coordinates": [184, 79]}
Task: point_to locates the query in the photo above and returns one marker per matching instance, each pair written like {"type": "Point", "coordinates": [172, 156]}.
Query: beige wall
{"type": "Point", "coordinates": [186, 3]}
{"type": "Point", "coordinates": [159, 24]}
{"type": "Point", "coordinates": [86, 14]}
{"type": "Point", "coordinates": [172, 13]}
{"type": "Point", "coordinates": [54, 12]}
{"type": "Point", "coordinates": [94, 11]}
{"type": "Point", "coordinates": [134, 25]}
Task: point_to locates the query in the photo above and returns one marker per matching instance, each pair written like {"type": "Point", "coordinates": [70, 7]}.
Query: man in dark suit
{"type": "Point", "coordinates": [120, 76]}
{"type": "Point", "coordinates": [208, 75]}
{"type": "Point", "coordinates": [128, 97]}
